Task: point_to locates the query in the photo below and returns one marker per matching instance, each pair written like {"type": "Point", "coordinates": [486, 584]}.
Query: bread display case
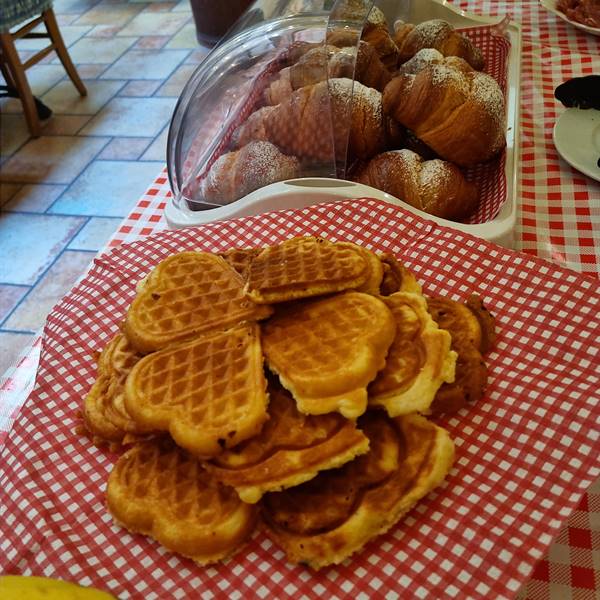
{"type": "Point", "coordinates": [303, 102]}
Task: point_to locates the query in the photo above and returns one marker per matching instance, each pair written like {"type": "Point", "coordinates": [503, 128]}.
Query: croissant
{"type": "Point", "coordinates": [235, 174]}
{"type": "Point", "coordinates": [464, 121]}
{"type": "Point", "coordinates": [301, 125]}
{"type": "Point", "coordinates": [439, 35]}
{"type": "Point", "coordinates": [435, 186]}
{"type": "Point", "coordinates": [379, 37]}
{"type": "Point", "coordinates": [324, 62]}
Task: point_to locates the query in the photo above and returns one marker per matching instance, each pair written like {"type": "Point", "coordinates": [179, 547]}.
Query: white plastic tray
{"type": "Point", "coordinates": [299, 193]}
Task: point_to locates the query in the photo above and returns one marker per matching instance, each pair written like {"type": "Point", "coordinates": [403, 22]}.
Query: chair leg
{"type": "Point", "coordinates": [17, 73]}
{"type": "Point", "coordinates": [61, 50]}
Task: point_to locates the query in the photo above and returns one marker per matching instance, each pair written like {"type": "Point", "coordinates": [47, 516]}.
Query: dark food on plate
{"type": "Point", "coordinates": [350, 335]}
{"type": "Point", "coordinates": [586, 12]}
{"type": "Point", "coordinates": [580, 92]}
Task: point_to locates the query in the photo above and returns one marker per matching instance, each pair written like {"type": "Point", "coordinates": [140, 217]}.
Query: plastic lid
{"type": "Point", "coordinates": [218, 149]}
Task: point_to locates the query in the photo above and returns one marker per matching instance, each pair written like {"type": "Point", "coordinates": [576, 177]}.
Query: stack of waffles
{"type": "Point", "coordinates": [290, 388]}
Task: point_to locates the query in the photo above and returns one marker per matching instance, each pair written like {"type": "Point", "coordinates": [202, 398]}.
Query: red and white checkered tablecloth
{"type": "Point", "coordinates": [558, 221]}
{"type": "Point", "coordinates": [526, 453]}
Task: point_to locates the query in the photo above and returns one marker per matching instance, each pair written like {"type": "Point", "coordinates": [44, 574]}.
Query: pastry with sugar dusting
{"type": "Point", "coordinates": [235, 174]}
{"type": "Point", "coordinates": [465, 122]}
{"type": "Point", "coordinates": [301, 124]}
{"type": "Point", "coordinates": [439, 35]}
{"type": "Point", "coordinates": [434, 186]}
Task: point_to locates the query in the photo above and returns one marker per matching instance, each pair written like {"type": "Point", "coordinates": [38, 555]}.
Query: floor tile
{"type": "Point", "coordinates": [185, 38]}
{"type": "Point", "coordinates": [197, 56]}
{"type": "Point", "coordinates": [95, 234]}
{"type": "Point", "coordinates": [160, 7]}
{"type": "Point", "coordinates": [149, 23]}
{"type": "Point", "coordinates": [158, 149]}
{"type": "Point", "coordinates": [13, 134]}
{"type": "Point", "coordinates": [11, 346]}
{"type": "Point", "coordinates": [31, 314]}
{"type": "Point", "coordinates": [104, 31]}
{"type": "Point", "coordinates": [98, 50]}
{"type": "Point", "coordinates": [10, 295]}
{"type": "Point", "coordinates": [137, 117]}
{"type": "Point", "coordinates": [70, 34]}
{"type": "Point", "coordinates": [109, 14]}
{"type": "Point", "coordinates": [64, 124]}
{"type": "Point", "coordinates": [50, 159]}
{"type": "Point", "coordinates": [62, 7]}
{"type": "Point", "coordinates": [41, 78]}
{"type": "Point", "coordinates": [145, 64]}
{"type": "Point", "coordinates": [175, 84]}
{"type": "Point", "coordinates": [64, 99]}
{"type": "Point", "coordinates": [151, 42]}
{"type": "Point", "coordinates": [34, 198]}
{"type": "Point", "coordinates": [35, 239]}
{"type": "Point", "coordinates": [98, 192]}
{"type": "Point", "coordinates": [8, 191]}
{"type": "Point", "coordinates": [90, 71]}
{"type": "Point", "coordinates": [140, 87]}
{"type": "Point", "coordinates": [124, 149]}
{"type": "Point", "coordinates": [183, 6]}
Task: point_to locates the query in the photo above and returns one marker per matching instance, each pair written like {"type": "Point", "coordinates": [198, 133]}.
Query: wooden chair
{"type": "Point", "coordinates": [13, 70]}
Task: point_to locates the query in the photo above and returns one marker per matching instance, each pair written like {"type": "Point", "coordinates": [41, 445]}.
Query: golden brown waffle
{"type": "Point", "coordinates": [373, 283]}
{"type": "Point", "coordinates": [104, 413]}
{"type": "Point", "coordinates": [327, 351]}
{"type": "Point", "coordinates": [472, 330]}
{"type": "Point", "coordinates": [419, 360]}
{"type": "Point", "coordinates": [396, 277]}
{"type": "Point", "coordinates": [187, 294]}
{"type": "Point", "coordinates": [240, 259]}
{"type": "Point", "coordinates": [209, 393]}
{"type": "Point", "coordinates": [304, 267]}
{"type": "Point", "coordinates": [325, 520]}
{"type": "Point", "coordinates": [290, 449]}
{"type": "Point", "coordinates": [159, 490]}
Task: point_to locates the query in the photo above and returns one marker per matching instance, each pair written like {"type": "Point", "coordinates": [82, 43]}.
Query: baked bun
{"type": "Point", "coordinates": [434, 186]}
{"type": "Point", "coordinates": [437, 34]}
{"type": "Point", "coordinates": [458, 112]}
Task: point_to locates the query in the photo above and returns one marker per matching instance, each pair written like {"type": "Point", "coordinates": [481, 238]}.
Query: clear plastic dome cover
{"type": "Point", "coordinates": [276, 47]}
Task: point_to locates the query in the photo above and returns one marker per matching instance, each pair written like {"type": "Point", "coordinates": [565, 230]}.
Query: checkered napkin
{"type": "Point", "coordinates": [525, 453]}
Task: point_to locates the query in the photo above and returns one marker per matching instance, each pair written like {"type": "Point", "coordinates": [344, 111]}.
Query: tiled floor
{"type": "Point", "coordinates": [64, 194]}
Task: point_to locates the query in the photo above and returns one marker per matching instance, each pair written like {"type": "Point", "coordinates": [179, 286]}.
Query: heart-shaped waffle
{"type": "Point", "coordinates": [290, 449]}
{"type": "Point", "coordinates": [328, 518]}
{"type": "Point", "coordinates": [160, 490]}
{"type": "Point", "coordinates": [104, 413]}
{"type": "Point", "coordinates": [419, 361]}
{"type": "Point", "coordinates": [187, 294]}
{"type": "Point", "coordinates": [209, 393]}
{"type": "Point", "coordinates": [305, 266]}
{"type": "Point", "coordinates": [327, 351]}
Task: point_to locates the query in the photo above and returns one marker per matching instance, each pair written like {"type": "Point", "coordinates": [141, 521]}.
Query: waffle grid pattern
{"type": "Point", "coordinates": [331, 329]}
{"type": "Point", "coordinates": [194, 292]}
{"type": "Point", "coordinates": [525, 453]}
{"type": "Point", "coordinates": [313, 262]}
{"type": "Point", "coordinates": [204, 389]}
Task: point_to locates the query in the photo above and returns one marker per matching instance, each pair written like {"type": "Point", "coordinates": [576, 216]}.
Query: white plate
{"type": "Point", "coordinates": [576, 136]}
{"type": "Point", "coordinates": [551, 6]}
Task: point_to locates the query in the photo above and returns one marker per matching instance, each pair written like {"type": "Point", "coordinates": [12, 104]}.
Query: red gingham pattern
{"type": "Point", "coordinates": [525, 453]}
